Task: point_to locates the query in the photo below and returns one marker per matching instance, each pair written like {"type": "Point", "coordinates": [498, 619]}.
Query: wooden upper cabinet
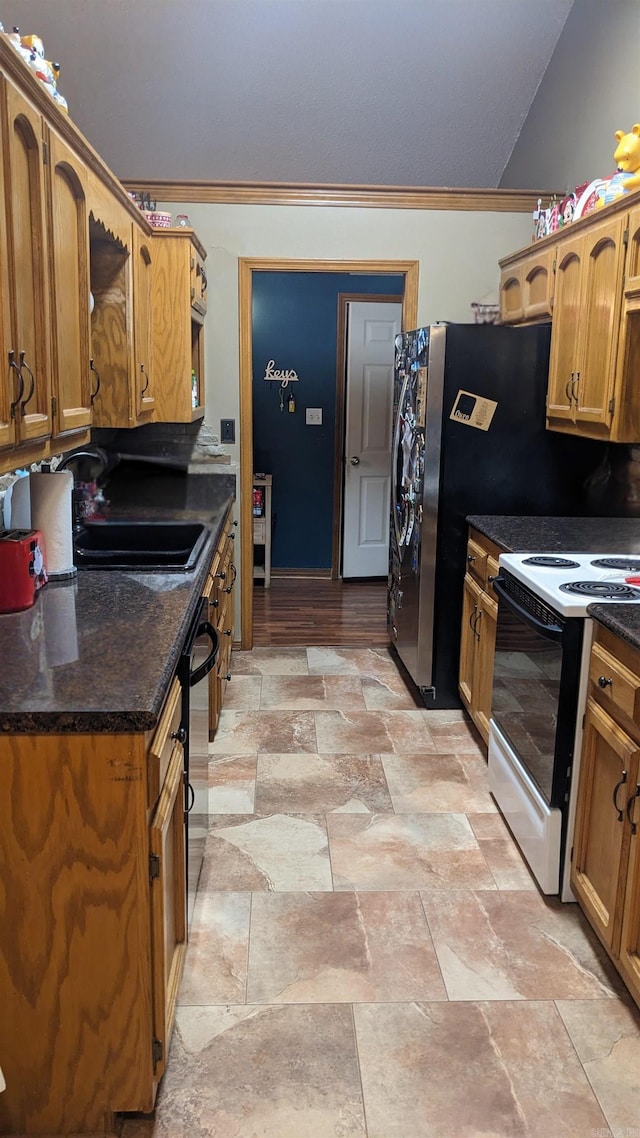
{"type": "Point", "coordinates": [526, 288]}
{"type": "Point", "coordinates": [27, 362]}
{"type": "Point", "coordinates": [179, 304]}
{"type": "Point", "coordinates": [144, 380]}
{"type": "Point", "coordinates": [7, 424]}
{"type": "Point", "coordinates": [70, 287]}
{"type": "Point", "coordinates": [564, 338]}
{"type": "Point", "coordinates": [584, 338]}
{"type": "Point", "coordinates": [632, 270]}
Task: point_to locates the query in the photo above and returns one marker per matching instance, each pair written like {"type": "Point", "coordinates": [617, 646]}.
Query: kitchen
{"type": "Point", "coordinates": [454, 228]}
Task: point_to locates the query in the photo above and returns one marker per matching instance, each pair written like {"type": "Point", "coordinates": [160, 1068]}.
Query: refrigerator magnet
{"type": "Point", "coordinates": [473, 410]}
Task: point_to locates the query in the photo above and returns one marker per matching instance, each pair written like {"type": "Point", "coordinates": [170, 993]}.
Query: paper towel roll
{"type": "Point", "coordinates": [21, 503]}
{"type": "Point", "coordinates": [51, 496]}
{"type": "Point", "coordinates": [60, 627]}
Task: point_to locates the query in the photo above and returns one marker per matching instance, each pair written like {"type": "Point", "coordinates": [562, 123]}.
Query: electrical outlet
{"type": "Point", "coordinates": [314, 416]}
{"type": "Point", "coordinates": [227, 430]}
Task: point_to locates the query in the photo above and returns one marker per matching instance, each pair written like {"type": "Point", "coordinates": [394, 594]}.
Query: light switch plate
{"type": "Point", "coordinates": [314, 416]}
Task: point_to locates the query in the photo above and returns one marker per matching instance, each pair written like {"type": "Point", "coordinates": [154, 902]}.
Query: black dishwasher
{"type": "Point", "coordinates": [197, 659]}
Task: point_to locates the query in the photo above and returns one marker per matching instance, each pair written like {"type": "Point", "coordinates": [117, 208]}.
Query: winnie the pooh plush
{"type": "Point", "coordinates": [627, 159]}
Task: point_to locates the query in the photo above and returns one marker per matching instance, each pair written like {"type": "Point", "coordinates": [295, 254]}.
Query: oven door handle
{"type": "Point", "coordinates": [551, 631]}
{"type": "Point", "coordinates": [206, 629]}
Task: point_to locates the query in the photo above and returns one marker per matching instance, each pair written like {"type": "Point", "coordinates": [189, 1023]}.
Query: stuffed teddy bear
{"type": "Point", "coordinates": [627, 159]}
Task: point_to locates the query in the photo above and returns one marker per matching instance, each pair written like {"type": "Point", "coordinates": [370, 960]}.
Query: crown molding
{"type": "Point", "coordinates": [362, 197]}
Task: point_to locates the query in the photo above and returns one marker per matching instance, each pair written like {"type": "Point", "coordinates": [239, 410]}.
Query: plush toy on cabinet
{"type": "Point", "coordinates": [627, 159]}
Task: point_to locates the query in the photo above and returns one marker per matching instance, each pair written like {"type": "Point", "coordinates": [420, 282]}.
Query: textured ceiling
{"type": "Point", "coordinates": [384, 92]}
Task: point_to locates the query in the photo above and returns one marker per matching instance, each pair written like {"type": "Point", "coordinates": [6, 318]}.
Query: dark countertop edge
{"type": "Point", "coordinates": [121, 722]}
{"type": "Point", "coordinates": [620, 620]}
{"type": "Point", "coordinates": [557, 534]}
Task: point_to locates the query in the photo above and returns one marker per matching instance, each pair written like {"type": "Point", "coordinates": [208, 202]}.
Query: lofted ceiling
{"type": "Point", "coordinates": [380, 92]}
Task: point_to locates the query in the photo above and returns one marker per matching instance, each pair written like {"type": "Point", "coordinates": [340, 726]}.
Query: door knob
{"type": "Point", "coordinates": [355, 461]}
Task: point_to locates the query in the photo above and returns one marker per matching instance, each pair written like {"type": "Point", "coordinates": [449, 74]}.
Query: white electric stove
{"type": "Point", "coordinates": [541, 668]}
{"type": "Point", "coordinates": [569, 582]}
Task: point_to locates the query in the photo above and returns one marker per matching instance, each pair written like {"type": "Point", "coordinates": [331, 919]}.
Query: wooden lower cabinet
{"type": "Point", "coordinates": [605, 871]}
{"type": "Point", "coordinates": [478, 632]}
{"type": "Point", "coordinates": [92, 924]}
{"type": "Point", "coordinates": [222, 615]}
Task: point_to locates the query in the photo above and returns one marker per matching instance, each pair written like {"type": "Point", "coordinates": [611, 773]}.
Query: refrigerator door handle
{"type": "Point", "coordinates": [394, 467]}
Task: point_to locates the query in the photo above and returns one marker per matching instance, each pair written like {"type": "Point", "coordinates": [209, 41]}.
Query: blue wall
{"type": "Point", "coordinates": [295, 323]}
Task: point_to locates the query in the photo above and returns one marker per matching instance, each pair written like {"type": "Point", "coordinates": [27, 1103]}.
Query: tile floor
{"type": "Point", "coordinates": [369, 956]}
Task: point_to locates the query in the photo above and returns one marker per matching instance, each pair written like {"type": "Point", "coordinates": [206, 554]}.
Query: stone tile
{"type": "Point", "coordinates": [292, 693]}
{"type": "Point", "coordinates": [369, 732]}
{"type": "Point", "coordinates": [405, 851]}
{"type": "Point", "coordinates": [243, 693]}
{"type": "Point", "coordinates": [445, 716]}
{"type": "Point", "coordinates": [433, 784]}
{"type": "Point", "coordinates": [273, 1072]}
{"type": "Point", "coordinates": [389, 693]}
{"type": "Point", "coordinates": [507, 865]}
{"type": "Point", "coordinates": [606, 1035]}
{"type": "Point", "coordinates": [455, 738]}
{"type": "Point", "coordinates": [516, 946]}
{"type": "Point", "coordinates": [351, 662]}
{"type": "Point", "coordinates": [250, 732]}
{"type": "Point", "coordinates": [322, 947]}
{"type": "Point", "coordinates": [232, 784]}
{"type": "Point", "coordinates": [489, 1070]}
{"type": "Point", "coordinates": [317, 784]}
{"type": "Point", "coordinates": [215, 970]}
{"type": "Point", "coordinates": [280, 852]}
{"type": "Point", "coordinates": [270, 662]}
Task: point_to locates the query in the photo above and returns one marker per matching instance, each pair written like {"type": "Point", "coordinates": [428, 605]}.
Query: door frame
{"type": "Point", "coordinates": [247, 266]}
{"type": "Point", "coordinates": [345, 298]}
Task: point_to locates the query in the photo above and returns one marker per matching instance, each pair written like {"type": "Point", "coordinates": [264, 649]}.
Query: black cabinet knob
{"type": "Point", "coordinates": [604, 681]}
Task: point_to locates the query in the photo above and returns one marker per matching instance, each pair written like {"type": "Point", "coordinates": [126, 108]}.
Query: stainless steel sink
{"type": "Point", "coordinates": [164, 547]}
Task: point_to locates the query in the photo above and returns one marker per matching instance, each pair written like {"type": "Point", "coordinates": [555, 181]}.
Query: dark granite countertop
{"type": "Point", "coordinates": [98, 653]}
{"type": "Point", "coordinates": [560, 535]}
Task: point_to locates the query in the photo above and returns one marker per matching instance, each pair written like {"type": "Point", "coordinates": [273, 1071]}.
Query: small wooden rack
{"type": "Point", "coordinates": [262, 529]}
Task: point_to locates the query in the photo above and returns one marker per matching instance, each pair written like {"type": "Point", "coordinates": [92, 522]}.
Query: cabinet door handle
{"type": "Point", "coordinates": [634, 825]}
{"type": "Point", "coordinates": [94, 394]}
{"type": "Point", "coordinates": [475, 609]}
{"type": "Point", "coordinates": [615, 794]}
{"type": "Point", "coordinates": [233, 579]}
{"type": "Point", "coordinates": [470, 559]}
{"type": "Point", "coordinates": [574, 385]}
{"type": "Point", "coordinates": [146, 378]}
{"type": "Point", "coordinates": [24, 364]}
{"type": "Point", "coordinates": [568, 393]}
{"type": "Point", "coordinates": [16, 402]}
{"type": "Point", "coordinates": [476, 623]}
{"type": "Point", "coordinates": [180, 735]}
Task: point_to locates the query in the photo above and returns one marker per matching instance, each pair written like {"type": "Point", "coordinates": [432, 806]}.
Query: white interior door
{"type": "Point", "coordinates": [371, 331]}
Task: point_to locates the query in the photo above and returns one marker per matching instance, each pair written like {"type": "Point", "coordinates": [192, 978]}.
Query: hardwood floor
{"type": "Point", "coordinates": [300, 612]}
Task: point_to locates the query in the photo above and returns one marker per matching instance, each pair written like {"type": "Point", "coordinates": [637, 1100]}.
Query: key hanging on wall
{"type": "Point", "coordinates": [292, 402]}
{"type": "Point", "coordinates": [281, 390]}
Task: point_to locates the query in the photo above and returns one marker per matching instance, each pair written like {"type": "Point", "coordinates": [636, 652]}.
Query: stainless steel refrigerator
{"type": "Point", "coordinates": [469, 438]}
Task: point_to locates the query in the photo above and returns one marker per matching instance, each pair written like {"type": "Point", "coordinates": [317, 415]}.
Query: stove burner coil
{"type": "Point", "coordinates": [630, 563]}
{"type": "Point", "coordinates": [547, 562]}
{"type": "Point", "coordinates": [604, 590]}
